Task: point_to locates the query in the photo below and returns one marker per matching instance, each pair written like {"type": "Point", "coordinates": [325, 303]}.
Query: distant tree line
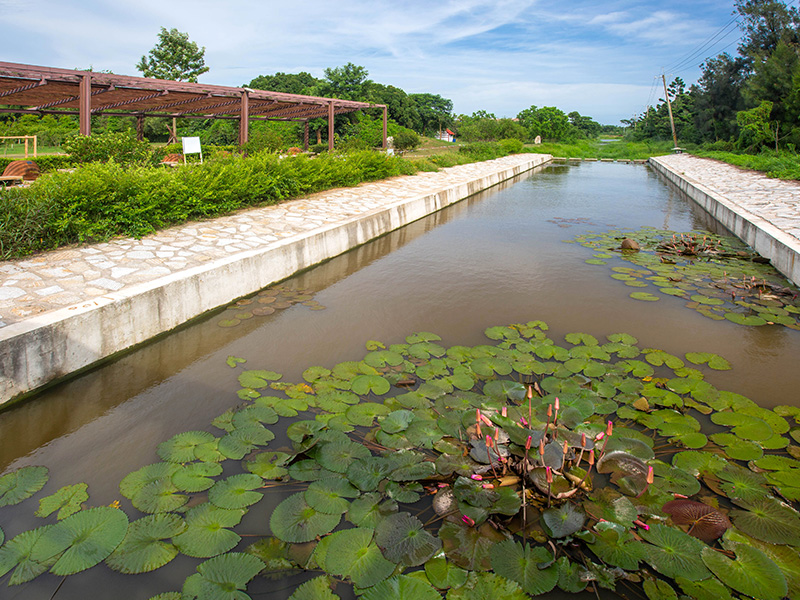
{"type": "Point", "coordinates": [748, 101]}
{"type": "Point", "coordinates": [410, 115]}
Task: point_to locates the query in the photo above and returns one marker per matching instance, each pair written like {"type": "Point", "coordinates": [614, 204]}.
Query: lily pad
{"type": "Point", "coordinates": [401, 587]}
{"type": "Point", "coordinates": [751, 573]}
{"type": "Point", "coordinates": [674, 553]}
{"type": "Point", "coordinates": [533, 569]}
{"type": "Point", "coordinates": [21, 484]}
{"type": "Point", "coordinates": [352, 553]}
{"type": "Point", "coordinates": [294, 521]}
{"type": "Point", "coordinates": [236, 491]}
{"type": "Point", "coordinates": [208, 531]}
{"type": "Point", "coordinates": [66, 501]}
{"type": "Point", "coordinates": [144, 547]}
{"type": "Point", "coordinates": [402, 539]}
{"type": "Point", "coordinates": [222, 576]}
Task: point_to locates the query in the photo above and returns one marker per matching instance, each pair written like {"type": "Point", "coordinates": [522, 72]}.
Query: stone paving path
{"type": "Point", "coordinates": [73, 276]}
{"type": "Point", "coordinates": [775, 200]}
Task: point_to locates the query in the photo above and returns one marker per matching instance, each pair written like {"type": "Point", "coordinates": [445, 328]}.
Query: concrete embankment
{"type": "Point", "coordinates": [64, 311]}
{"type": "Point", "coordinates": [763, 212]}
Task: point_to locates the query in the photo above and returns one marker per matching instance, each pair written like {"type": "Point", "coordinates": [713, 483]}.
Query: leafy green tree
{"type": "Point", "coordinates": [174, 57]}
{"type": "Point", "coordinates": [718, 97]}
{"type": "Point", "coordinates": [766, 23]}
{"type": "Point", "coordinates": [584, 126]}
{"type": "Point", "coordinates": [755, 127]}
{"type": "Point", "coordinates": [348, 82]}
{"type": "Point", "coordinates": [549, 122]}
{"type": "Point", "coordinates": [399, 106]}
{"type": "Point", "coordinates": [485, 127]}
{"type": "Point", "coordinates": [773, 80]}
{"type": "Point", "coordinates": [435, 112]}
{"type": "Point", "coordinates": [301, 83]}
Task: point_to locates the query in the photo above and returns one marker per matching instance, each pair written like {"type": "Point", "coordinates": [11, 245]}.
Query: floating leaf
{"type": "Point", "coordinates": [21, 484]}
{"type": "Point", "coordinates": [706, 522]}
{"type": "Point", "coordinates": [364, 384]}
{"type": "Point", "coordinates": [159, 496]}
{"type": "Point", "coordinates": [17, 555]}
{"type": "Point", "coordinates": [673, 553]}
{"type": "Point", "coordinates": [236, 491]}
{"type": "Point", "coordinates": [196, 477]}
{"type": "Point", "coordinates": [564, 520]}
{"type": "Point", "coordinates": [82, 540]}
{"type": "Point", "coordinates": [402, 539]}
{"type": "Point", "coordinates": [487, 586]}
{"type": "Point", "coordinates": [646, 296]}
{"type": "Point", "coordinates": [532, 568]}
{"type": "Point", "coordinates": [143, 549]}
{"type": "Point", "coordinates": [222, 575]}
{"type": "Point", "coordinates": [614, 545]}
{"type": "Point", "coordinates": [352, 553]}
{"type": "Point", "coordinates": [294, 521]}
{"type": "Point", "coordinates": [368, 509]}
{"type": "Point", "coordinates": [318, 588]}
{"type": "Point", "coordinates": [364, 414]}
{"type": "Point", "coordinates": [714, 361]}
{"type": "Point", "coordinates": [768, 520]}
{"type": "Point", "coordinates": [207, 532]}
{"type": "Point", "coordinates": [66, 501]}
{"type": "Point", "coordinates": [401, 587]}
{"type": "Point", "coordinates": [338, 456]}
{"type": "Point", "coordinates": [180, 448]}
{"type": "Point", "coordinates": [330, 495]}
{"type": "Point", "coordinates": [468, 547]}
{"type": "Point", "coordinates": [443, 574]}
{"type": "Point", "coordinates": [751, 573]}
{"type": "Point", "coordinates": [257, 379]}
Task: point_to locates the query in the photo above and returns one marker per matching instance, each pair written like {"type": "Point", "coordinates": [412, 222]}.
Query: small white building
{"type": "Point", "coordinates": [446, 136]}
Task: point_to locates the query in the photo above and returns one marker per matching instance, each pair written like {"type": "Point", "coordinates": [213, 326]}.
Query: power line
{"type": "Point", "coordinates": [699, 50]}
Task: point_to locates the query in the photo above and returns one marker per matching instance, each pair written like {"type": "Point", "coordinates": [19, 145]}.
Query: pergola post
{"type": "Point", "coordinates": [385, 126]}
{"type": "Point", "coordinates": [140, 127]}
{"type": "Point", "coordinates": [330, 127]}
{"type": "Point", "coordinates": [305, 135]}
{"type": "Point", "coordinates": [244, 120]}
{"type": "Point", "coordinates": [85, 105]}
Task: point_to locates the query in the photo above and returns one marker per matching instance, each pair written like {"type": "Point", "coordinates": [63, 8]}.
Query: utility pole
{"type": "Point", "coordinates": [669, 108]}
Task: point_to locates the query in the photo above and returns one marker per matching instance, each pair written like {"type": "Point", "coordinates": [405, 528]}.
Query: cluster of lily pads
{"type": "Point", "coordinates": [266, 302]}
{"type": "Point", "coordinates": [503, 470]}
{"type": "Point", "coordinates": [718, 276]}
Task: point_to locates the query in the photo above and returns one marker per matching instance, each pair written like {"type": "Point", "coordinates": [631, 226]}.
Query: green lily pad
{"type": "Point", "coordinates": [207, 531]}
{"type": "Point", "coordinates": [269, 465]}
{"type": "Point", "coordinates": [258, 379]}
{"type": "Point", "coordinates": [338, 456]}
{"type": "Point", "coordinates": [751, 573]}
{"type": "Point", "coordinates": [17, 554]}
{"type": "Point", "coordinates": [401, 587]}
{"type": "Point", "coordinates": [532, 568]}
{"type": "Point", "coordinates": [368, 509]}
{"type": "Point", "coordinates": [443, 574]}
{"type": "Point", "coordinates": [180, 448]}
{"type": "Point", "coordinates": [294, 521]}
{"type": "Point", "coordinates": [352, 553]}
{"type": "Point", "coordinates": [646, 296]}
{"type": "Point", "coordinates": [318, 588]}
{"type": "Point", "coordinates": [487, 586]}
{"type": "Point", "coordinates": [615, 545]}
{"type": "Point", "coordinates": [330, 495]}
{"type": "Point", "coordinates": [82, 540]}
{"type": "Point", "coordinates": [66, 501]}
{"type": "Point", "coordinates": [673, 553]}
{"type": "Point", "coordinates": [196, 477]}
{"type": "Point", "coordinates": [21, 484]}
{"type": "Point", "coordinates": [563, 521]}
{"type": "Point", "coordinates": [768, 520]}
{"type": "Point", "coordinates": [222, 576]}
{"type": "Point", "coordinates": [468, 547]}
{"type": "Point", "coordinates": [364, 414]}
{"type": "Point", "coordinates": [236, 491]}
{"type": "Point", "coordinates": [364, 384]}
{"type": "Point", "coordinates": [402, 539]}
{"type": "Point", "coordinates": [144, 547]}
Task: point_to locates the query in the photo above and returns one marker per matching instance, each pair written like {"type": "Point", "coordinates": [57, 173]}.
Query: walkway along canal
{"type": "Point", "coordinates": [64, 311]}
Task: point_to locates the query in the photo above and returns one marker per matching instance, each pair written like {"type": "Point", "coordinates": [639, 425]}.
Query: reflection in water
{"type": "Point", "coordinates": [495, 259]}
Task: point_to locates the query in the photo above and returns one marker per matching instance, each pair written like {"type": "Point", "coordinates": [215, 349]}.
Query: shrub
{"type": "Point", "coordinates": [511, 146]}
{"type": "Point", "coordinates": [406, 140]}
{"type": "Point", "coordinates": [121, 147]}
{"type": "Point", "coordinates": [47, 162]}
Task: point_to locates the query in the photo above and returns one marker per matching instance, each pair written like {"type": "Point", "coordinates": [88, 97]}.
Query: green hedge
{"type": "Point", "coordinates": [102, 200]}
{"type": "Point", "coordinates": [47, 162]}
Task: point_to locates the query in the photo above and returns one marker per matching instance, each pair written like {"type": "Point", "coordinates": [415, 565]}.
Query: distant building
{"type": "Point", "coordinates": [447, 136]}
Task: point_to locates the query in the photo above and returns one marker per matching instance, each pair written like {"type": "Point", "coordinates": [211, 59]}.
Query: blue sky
{"type": "Point", "coordinates": [602, 59]}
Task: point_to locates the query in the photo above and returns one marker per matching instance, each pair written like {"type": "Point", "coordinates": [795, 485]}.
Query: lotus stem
{"type": "Point", "coordinates": [609, 430]}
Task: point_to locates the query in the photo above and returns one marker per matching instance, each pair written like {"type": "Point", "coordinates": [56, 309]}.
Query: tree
{"type": "Point", "coordinates": [174, 57]}
{"type": "Point", "coordinates": [301, 83]}
{"type": "Point", "coordinates": [548, 122]}
{"type": "Point", "coordinates": [754, 125]}
{"type": "Point", "coordinates": [765, 24]}
{"type": "Point", "coordinates": [434, 112]}
{"type": "Point", "coordinates": [348, 82]}
{"type": "Point", "coordinates": [718, 97]}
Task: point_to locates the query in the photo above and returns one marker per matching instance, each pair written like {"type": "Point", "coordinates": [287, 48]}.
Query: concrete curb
{"type": "Point", "coordinates": [764, 237]}
{"type": "Point", "coordinates": [50, 346]}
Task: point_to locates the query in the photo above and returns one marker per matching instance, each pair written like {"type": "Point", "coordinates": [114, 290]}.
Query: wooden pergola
{"type": "Point", "coordinates": [47, 90]}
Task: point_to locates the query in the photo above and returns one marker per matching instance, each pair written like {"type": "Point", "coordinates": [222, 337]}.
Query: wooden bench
{"type": "Point", "coordinates": [18, 171]}
{"type": "Point", "coordinates": [172, 160]}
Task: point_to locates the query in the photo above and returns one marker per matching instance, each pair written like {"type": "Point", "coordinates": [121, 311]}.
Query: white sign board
{"type": "Point", "coordinates": [191, 145]}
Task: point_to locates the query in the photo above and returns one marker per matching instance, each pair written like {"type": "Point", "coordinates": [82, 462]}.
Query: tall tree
{"type": "Point", "coordinates": [765, 24]}
{"type": "Point", "coordinates": [348, 82]}
{"type": "Point", "coordinates": [288, 83]}
{"type": "Point", "coordinates": [174, 57]}
{"type": "Point", "coordinates": [434, 112]}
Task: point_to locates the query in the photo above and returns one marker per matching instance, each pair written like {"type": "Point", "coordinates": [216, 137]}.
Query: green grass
{"type": "Point", "coordinates": [782, 164]}
{"type": "Point", "coordinates": [617, 150]}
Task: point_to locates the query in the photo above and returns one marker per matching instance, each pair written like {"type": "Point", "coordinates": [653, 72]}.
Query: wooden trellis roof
{"type": "Point", "coordinates": [47, 90]}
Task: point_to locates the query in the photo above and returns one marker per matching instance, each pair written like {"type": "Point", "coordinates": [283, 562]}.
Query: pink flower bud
{"type": "Point", "coordinates": [524, 421]}
{"type": "Point", "coordinates": [487, 486]}
{"type": "Point", "coordinates": [557, 404]}
{"type": "Point", "coordinates": [644, 526]}
{"type": "Point", "coordinates": [504, 411]}
{"type": "Point", "coordinates": [530, 392]}
{"type": "Point", "coordinates": [649, 475]}
{"type": "Point", "coordinates": [609, 428]}
{"type": "Point", "coordinates": [476, 477]}
{"type": "Point", "coordinates": [468, 521]}
{"type": "Point", "coordinates": [549, 474]}
{"type": "Point", "coordinates": [528, 443]}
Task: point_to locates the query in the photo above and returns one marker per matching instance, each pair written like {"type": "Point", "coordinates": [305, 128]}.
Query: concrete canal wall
{"type": "Point", "coordinates": [46, 344]}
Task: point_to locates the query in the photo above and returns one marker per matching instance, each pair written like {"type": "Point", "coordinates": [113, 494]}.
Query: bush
{"type": "Point", "coordinates": [406, 140]}
{"type": "Point", "coordinates": [122, 147]}
{"type": "Point", "coordinates": [46, 162]}
{"type": "Point", "coordinates": [511, 146]}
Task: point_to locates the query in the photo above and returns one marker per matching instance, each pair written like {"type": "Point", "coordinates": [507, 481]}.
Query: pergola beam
{"type": "Point", "coordinates": [244, 119]}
